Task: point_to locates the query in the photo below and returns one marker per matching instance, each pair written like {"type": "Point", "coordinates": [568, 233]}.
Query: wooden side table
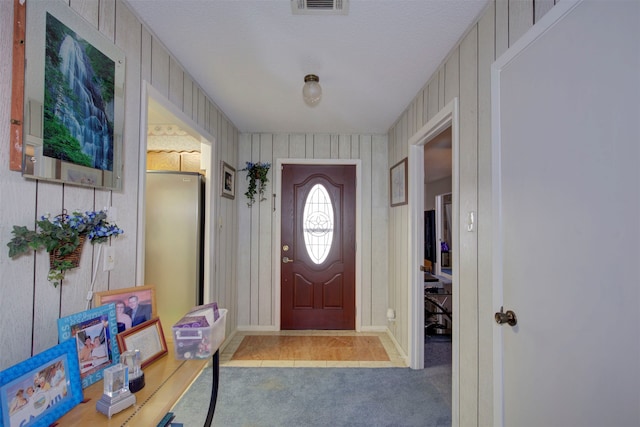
{"type": "Point", "coordinates": [166, 379]}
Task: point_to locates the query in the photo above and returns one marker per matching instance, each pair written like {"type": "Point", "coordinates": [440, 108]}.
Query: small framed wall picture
{"type": "Point", "coordinates": [228, 181]}
{"type": "Point", "coordinates": [398, 191]}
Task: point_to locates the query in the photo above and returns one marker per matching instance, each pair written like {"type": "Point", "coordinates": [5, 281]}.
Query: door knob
{"type": "Point", "coordinates": [509, 317]}
{"type": "Point", "coordinates": [286, 259]}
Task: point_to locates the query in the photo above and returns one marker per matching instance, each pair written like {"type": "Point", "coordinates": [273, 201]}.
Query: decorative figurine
{"type": "Point", "coordinates": [116, 396]}
{"type": "Point", "coordinates": [132, 359]}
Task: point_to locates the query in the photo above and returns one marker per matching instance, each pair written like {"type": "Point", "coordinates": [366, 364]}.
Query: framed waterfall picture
{"type": "Point", "coordinates": [94, 335]}
{"type": "Point", "coordinates": [74, 99]}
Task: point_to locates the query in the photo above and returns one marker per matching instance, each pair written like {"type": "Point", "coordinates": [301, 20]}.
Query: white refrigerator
{"type": "Point", "coordinates": [174, 236]}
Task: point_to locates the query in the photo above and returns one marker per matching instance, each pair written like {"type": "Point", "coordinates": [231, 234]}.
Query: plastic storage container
{"type": "Point", "coordinates": [199, 342]}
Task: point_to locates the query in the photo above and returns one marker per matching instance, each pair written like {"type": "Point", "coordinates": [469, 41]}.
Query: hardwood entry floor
{"type": "Point", "coordinates": [311, 349]}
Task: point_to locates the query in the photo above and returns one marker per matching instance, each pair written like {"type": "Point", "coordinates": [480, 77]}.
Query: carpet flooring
{"type": "Point", "coordinates": [283, 397]}
{"type": "Point", "coordinates": [349, 397]}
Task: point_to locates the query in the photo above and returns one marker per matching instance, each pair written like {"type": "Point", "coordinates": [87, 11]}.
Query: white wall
{"type": "Point", "coordinates": [256, 263]}
{"type": "Point", "coordinates": [27, 300]}
{"type": "Point", "coordinates": [464, 73]}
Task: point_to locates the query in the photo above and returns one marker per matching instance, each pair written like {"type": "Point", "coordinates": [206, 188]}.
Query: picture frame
{"type": "Point", "coordinates": [146, 297]}
{"type": "Point", "coordinates": [54, 379]}
{"type": "Point", "coordinates": [398, 179]}
{"type": "Point", "coordinates": [227, 181]}
{"type": "Point", "coordinates": [52, 139]}
{"type": "Point", "coordinates": [148, 338]}
{"type": "Point", "coordinates": [94, 334]}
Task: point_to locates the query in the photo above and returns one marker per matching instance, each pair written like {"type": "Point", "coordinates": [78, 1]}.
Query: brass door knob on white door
{"type": "Point", "coordinates": [509, 317]}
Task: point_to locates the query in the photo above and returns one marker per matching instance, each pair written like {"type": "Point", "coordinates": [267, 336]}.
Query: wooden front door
{"type": "Point", "coordinates": [318, 247]}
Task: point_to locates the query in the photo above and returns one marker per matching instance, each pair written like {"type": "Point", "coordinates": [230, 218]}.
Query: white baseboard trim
{"type": "Point", "coordinates": [373, 329]}
{"type": "Point", "coordinates": [257, 328]}
{"type": "Point", "coordinates": [401, 352]}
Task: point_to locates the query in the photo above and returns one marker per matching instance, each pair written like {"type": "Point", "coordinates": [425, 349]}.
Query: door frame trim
{"type": "Point", "coordinates": [209, 158]}
{"type": "Point", "coordinates": [277, 187]}
{"type": "Point", "coordinates": [448, 116]}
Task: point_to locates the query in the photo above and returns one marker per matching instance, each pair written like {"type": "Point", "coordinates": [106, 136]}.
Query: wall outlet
{"type": "Point", "coordinates": [109, 258]}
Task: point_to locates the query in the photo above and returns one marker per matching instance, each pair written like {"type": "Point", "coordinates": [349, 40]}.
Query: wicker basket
{"type": "Point", "coordinates": [74, 256]}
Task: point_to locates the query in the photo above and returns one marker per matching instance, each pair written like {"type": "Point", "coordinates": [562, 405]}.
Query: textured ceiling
{"type": "Point", "coordinates": [251, 57]}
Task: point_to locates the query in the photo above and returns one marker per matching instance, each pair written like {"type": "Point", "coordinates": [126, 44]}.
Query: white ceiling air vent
{"type": "Point", "coordinates": [320, 7]}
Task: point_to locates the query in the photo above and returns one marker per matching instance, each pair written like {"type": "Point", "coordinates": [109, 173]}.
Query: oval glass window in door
{"type": "Point", "coordinates": [318, 223]}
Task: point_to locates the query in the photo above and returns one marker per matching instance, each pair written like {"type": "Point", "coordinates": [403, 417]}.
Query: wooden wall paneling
{"type": "Point", "coordinates": [224, 256]}
{"type": "Point", "coordinates": [433, 89]}
{"type": "Point", "coordinates": [452, 77]}
{"type": "Point", "coordinates": [17, 279]}
{"type": "Point", "coordinates": [159, 67]}
{"type": "Point", "coordinates": [355, 147]}
{"type": "Point", "coordinates": [411, 118]}
{"type": "Point", "coordinates": [102, 200]}
{"type": "Point", "coordinates": [540, 8]}
{"type": "Point", "coordinates": [129, 39]}
{"type": "Point", "coordinates": [245, 297]}
{"type": "Point", "coordinates": [77, 281]}
{"type": "Point", "coordinates": [265, 242]}
{"type": "Point", "coordinates": [310, 146]}
{"type": "Point", "coordinates": [520, 18]}
{"type": "Point", "coordinates": [343, 143]}
{"type": "Point", "coordinates": [194, 100]}
{"type": "Point", "coordinates": [420, 110]}
{"type": "Point", "coordinates": [176, 83]}
{"type": "Point", "coordinates": [213, 126]}
{"type": "Point", "coordinates": [88, 9]}
{"type": "Point", "coordinates": [365, 185]}
{"type": "Point", "coordinates": [425, 103]}
{"type": "Point", "coordinates": [201, 109]}
{"type": "Point", "coordinates": [254, 258]}
{"type": "Point", "coordinates": [297, 146]}
{"type": "Point", "coordinates": [145, 57]}
{"type": "Point", "coordinates": [47, 299]}
{"type": "Point", "coordinates": [232, 281]}
{"type": "Point", "coordinates": [404, 135]}
{"type": "Point", "coordinates": [187, 104]}
{"type": "Point", "coordinates": [468, 202]}
{"type": "Point", "coordinates": [280, 151]}
{"type": "Point", "coordinates": [393, 242]}
{"type": "Point", "coordinates": [486, 55]}
{"type": "Point", "coordinates": [321, 146]}
{"type": "Point", "coordinates": [335, 146]}
{"type": "Point", "coordinates": [502, 41]}
{"type": "Point", "coordinates": [107, 19]}
{"type": "Point", "coordinates": [441, 87]}
{"type": "Point", "coordinates": [379, 226]}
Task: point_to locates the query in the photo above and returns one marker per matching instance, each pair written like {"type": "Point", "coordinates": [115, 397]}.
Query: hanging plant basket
{"type": "Point", "coordinates": [73, 258]}
{"type": "Point", "coordinates": [257, 177]}
{"type": "Point", "coordinates": [63, 237]}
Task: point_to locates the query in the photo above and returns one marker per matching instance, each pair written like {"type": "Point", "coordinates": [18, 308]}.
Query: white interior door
{"type": "Point", "coordinates": [566, 217]}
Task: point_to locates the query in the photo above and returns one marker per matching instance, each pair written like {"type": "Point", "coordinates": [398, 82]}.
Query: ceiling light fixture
{"type": "Point", "coordinates": [311, 91]}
